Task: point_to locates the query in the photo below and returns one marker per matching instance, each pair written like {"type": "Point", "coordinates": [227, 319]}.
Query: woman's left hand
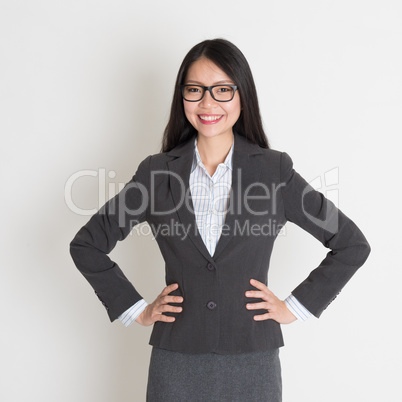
{"type": "Point", "coordinates": [277, 309]}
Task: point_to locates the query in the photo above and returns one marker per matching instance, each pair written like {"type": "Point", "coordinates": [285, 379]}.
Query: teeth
{"type": "Point", "coordinates": [210, 118]}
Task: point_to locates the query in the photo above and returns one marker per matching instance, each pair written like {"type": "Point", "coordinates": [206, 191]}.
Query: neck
{"type": "Point", "coordinates": [213, 150]}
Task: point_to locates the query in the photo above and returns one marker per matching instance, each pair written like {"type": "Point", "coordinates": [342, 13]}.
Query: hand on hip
{"type": "Point", "coordinates": [277, 309]}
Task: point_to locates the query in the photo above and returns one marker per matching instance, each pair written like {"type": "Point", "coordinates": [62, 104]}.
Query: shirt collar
{"type": "Point", "coordinates": [197, 159]}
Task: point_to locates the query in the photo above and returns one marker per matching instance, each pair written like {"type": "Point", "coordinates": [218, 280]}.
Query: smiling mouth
{"type": "Point", "coordinates": [210, 118]}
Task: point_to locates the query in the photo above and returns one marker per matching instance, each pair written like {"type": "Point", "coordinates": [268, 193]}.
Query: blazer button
{"type": "Point", "coordinates": [210, 266]}
{"type": "Point", "coordinates": [211, 305]}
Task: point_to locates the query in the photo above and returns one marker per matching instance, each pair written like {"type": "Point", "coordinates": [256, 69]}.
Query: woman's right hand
{"type": "Point", "coordinates": [153, 312]}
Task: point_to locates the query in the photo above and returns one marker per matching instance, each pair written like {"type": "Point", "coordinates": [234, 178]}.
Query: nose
{"type": "Point", "coordinates": [207, 100]}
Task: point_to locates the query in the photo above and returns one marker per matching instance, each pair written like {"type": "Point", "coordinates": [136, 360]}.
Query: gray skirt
{"type": "Point", "coordinates": [180, 377]}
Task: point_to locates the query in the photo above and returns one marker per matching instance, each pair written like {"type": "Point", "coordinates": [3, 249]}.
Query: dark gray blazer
{"type": "Point", "coordinates": [266, 193]}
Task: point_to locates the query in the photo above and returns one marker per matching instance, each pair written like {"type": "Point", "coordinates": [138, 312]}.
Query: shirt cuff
{"type": "Point", "coordinates": [133, 312]}
{"type": "Point", "coordinates": [297, 309]}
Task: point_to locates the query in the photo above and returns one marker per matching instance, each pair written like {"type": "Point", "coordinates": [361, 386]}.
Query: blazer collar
{"type": "Point", "coordinates": [241, 145]}
{"type": "Point", "coordinates": [245, 171]}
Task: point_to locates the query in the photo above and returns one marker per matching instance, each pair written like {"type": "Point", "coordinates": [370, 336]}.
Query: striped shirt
{"type": "Point", "coordinates": [210, 196]}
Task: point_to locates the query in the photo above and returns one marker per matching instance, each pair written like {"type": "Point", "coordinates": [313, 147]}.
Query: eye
{"type": "Point", "coordinates": [193, 89]}
{"type": "Point", "coordinates": [224, 90]}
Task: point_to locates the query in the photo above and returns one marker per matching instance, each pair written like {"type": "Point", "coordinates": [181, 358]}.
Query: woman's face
{"type": "Point", "coordinates": [209, 117]}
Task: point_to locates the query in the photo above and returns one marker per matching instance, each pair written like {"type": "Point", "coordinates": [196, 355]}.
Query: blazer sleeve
{"type": "Point", "coordinates": [349, 249]}
{"type": "Point", "coordinates": [113, 222]}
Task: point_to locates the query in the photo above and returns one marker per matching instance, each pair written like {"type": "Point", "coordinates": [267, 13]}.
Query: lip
{"type": "Point", "coordinates": [206, 122]}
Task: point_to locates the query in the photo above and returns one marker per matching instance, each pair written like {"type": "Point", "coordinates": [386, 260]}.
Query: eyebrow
{"type": "Point", "coordinates": [215, 83]}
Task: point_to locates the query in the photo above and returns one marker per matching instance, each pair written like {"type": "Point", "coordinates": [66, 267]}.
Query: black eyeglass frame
{"type": "Point", "coordinates": [234, 87]}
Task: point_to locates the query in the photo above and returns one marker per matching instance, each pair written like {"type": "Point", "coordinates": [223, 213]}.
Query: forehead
{"type": "Point", "coordinates": [206, 71]}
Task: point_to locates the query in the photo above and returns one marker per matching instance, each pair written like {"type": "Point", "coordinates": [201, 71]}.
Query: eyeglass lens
{"type": "Point", "coordinates": [196, 92]}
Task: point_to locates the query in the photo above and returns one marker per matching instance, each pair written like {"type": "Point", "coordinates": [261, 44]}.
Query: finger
{"type": "Point", "coordinates": [259, 285]}
{"type": "Point", "coordinates": [256, 306]}
{"type": "Point", "coordinates": [261, 317]}
{"type": "Point", "coordinates": [172, 309]}
{"type": "Point", "coordinates": [164, 318]}
{"type": "Point", "coordinates": [255, 293]}
{"type": "Point", "coordinates": [169, 289]}
{"type": "Point", "coordinates": [171, 299]}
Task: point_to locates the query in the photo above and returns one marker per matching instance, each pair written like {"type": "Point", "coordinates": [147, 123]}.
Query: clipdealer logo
{"type": "Point", "coordinates": [105, 190]}
{"type": "Point", "coordinates": [327, 185]}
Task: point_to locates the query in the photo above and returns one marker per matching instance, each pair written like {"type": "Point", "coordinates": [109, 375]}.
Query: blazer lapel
{"type": "Point", "coordinates": [245, 172]}
{"type": "Point", "coordinates": [179, 187]}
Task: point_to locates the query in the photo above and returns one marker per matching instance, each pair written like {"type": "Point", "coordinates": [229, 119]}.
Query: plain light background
{"type": "Point", "coordinates": [87, 85]}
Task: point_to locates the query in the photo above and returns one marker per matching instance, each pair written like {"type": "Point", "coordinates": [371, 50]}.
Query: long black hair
{"type": "Point", "coordinates": [232, 61]}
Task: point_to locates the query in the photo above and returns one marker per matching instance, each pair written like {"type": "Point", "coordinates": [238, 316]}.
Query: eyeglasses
{"type": "Point", "coordinates": [221, 93]}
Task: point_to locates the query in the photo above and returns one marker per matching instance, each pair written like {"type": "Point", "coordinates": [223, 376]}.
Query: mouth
{"type": "Point", "coordinates": [210, 118]}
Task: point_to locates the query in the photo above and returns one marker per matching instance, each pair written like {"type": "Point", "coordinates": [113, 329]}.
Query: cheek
{"type": "Point", "coordinates": [235, 111]}
{"type": "Point", "coordinates": [188, 110]}
{"type": "Point", "coordinates": [235, 107]}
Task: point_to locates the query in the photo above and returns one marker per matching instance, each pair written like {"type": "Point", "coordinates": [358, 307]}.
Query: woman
{"type": "Point", "coordinates": [216, 197]}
